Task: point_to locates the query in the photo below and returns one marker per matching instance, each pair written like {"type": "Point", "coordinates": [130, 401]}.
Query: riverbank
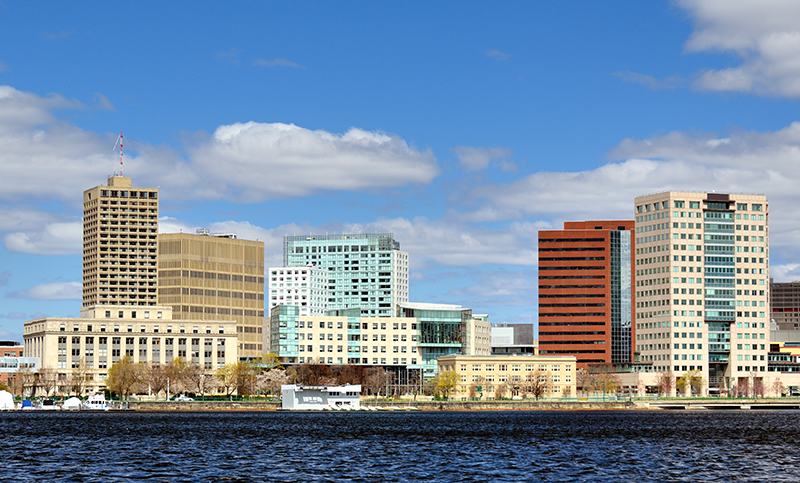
{"type": "Point", "coordinates": [520, 405]}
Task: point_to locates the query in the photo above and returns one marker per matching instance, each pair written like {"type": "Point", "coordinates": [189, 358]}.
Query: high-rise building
{"type": "Point", "coordinates": [702, 290]}
{"type": "Point", "coordinates": [784, 303]}
{"type": "Point", "coordinates": [215, 277]}
{"type": "Point", "coordinates": [365, 270]}
{"type": "Point", "coordinates": [585, 294]}
{"type": "Point", "coordinates": [120, 234]}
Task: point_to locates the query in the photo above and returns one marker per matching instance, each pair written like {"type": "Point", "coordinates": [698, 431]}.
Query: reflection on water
{"type": "Point", "coordinates": [422, 446]}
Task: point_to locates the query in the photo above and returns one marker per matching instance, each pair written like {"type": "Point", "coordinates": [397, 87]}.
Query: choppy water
{"type": "Point", "coordinates": [592, 446]}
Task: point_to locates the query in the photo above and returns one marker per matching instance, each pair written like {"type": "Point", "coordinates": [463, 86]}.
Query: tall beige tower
{"type": "Point", "coordinates": [120, 237]}
{"type": "Point", "coordinates": [215, 277]}
{"type": "Point", "coordinates": [702, 288]}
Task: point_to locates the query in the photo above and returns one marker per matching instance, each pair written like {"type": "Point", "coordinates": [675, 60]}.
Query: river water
{"type": "Point", "coordinates": [591, 446]}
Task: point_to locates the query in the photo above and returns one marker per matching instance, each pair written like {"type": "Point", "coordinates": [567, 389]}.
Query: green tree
{"type": "Point", "coordinates": [124, 376]}
{"type": "Point", "coordinates": [227, 378]}
{"type": "Point", "coordinates": [691, 382]}
{"type": "Point", "coordinates": [447, 383]}
{"type": "Point", "coordinates": [3, 386]}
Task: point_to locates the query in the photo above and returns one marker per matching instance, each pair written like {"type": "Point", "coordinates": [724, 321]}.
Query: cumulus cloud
{"type": "Point", "coordinates": [501, 287]}
{"type": "Point", "coordinates": [243, 162]}
{"type": "Point", "coordinates": [277, 63]}
{"type": "Point", "coordinates": [50, 291]}
{"type": "Point", "coordinates": [256, 161]}
{"type": "Point", "coordinates": [431, 242]}
{"type": "Point", "coordinates": [789, 272]}
{"type": "Point", "coordinates": [476, 159]}
{"type": "Point", "coordinates": [741, 162]}
{"type": "Point", "coordinates": [49, 239]}
{"type": "Point", "coordinates": [764, 34]}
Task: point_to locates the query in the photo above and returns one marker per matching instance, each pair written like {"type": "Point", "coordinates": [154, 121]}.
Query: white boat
{"type": "Point", "coordinates": [96, 402]}
{"type": "Point", "coordinates": [48, 405]}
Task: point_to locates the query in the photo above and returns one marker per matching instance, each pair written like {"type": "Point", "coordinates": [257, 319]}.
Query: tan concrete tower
{"type": "Point", "coordinates": [120, 244]}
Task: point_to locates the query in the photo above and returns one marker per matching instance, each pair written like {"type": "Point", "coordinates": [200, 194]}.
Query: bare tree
{"type": "Point", "coordinates": [778, 388]}
{"type": "Point", "coordinates": [376, 380]}
{"type": "Point", "coordinates": [472, 390]}
{"type": "Point", "coordinates": [538, 383]}
{"type": "Point", "coordinates": [47, 380]}
{"type": "Point", "coordinates": [584, 380]}
{"type": "Point", "coordinates": [197, 379]}
{"type": "Point", "coordinates": [664, 382]}
{"type": "Point", "coordinates": [156, 378]}
{"type": "Point", "coordinates": [77, 379]}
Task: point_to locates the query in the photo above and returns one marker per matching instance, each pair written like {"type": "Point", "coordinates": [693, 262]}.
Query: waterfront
{"type": "Point", "coordinates": [421, 446]}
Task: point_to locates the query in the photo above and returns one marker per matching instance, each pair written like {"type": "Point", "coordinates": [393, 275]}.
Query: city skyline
{"type": "Point", "coordinates": [463, 139]}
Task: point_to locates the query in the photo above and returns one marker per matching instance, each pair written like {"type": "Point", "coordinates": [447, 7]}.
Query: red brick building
{"type": "Point", "coordinates": [8, 349]}
{"type": "Point", "coordinates": [586, 294]}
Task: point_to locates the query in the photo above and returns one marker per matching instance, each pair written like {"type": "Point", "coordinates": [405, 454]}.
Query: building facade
{"type": "Point", "coordinates": [304, 287]}
{"type": "Point", "coordinates": [514, 339]}
{"type": "Point", "coordinates": [13, 361]}
{"type": "Point", "coordinates": [490, 377]}
{"type": "Point", "coordinates": [784, 303]}
{"type": "Point", "coordinates": [412, 340]}
{"type": "Point", "coordinates": [90, 344]}
{"type": "Point", "coordinates": [120, 235]}
{"type": "Point", "coordinates": [366, 270]}
{"type": "Point", "coordinates": [205, 277]}
{"type": "Point", "coordinates": [702, 291]}
{"type": "Point", "coordinates": [585, 291]}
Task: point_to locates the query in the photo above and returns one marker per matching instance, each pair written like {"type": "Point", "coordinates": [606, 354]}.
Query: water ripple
{"type": "Point", "coordinates": [592, 446]}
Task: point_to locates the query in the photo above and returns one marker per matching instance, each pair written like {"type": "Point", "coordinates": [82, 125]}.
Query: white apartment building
{"type": "Point", "coordinates": [304, 287]}
{"type": "Point", "coordinates": [702, 286]}
{"type": "Point", "coordinates": [363, 270]}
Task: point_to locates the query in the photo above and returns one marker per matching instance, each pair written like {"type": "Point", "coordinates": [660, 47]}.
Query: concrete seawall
{"type": "Point", "coordinates": [421, 405]}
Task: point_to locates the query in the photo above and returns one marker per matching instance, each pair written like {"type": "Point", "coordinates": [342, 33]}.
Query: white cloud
{"type": "Point", "coordinates": [789, 272]}
{"type": "Point", "coordinates": [256, 161]}
{"type": "Point", "coordinates": [43, 156]}
{"type": "Point", "coordinates": [49, 239]}
{"type": "Point", "coordinates": [742, 162]}
{"type": "Point", "coordinates": [764, 34]}
{"type": "Point", "coordinates": [50, 291]}
{"type": "Point", "coordinates": [440, 242]}
{"type": "Point", "coordinates": [476, 159]}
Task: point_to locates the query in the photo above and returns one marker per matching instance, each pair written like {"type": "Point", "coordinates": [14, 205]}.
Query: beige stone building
{"type": "Point", "coordinates": [379, 341]}
{"type": "Point", "coordinates": [120, 232]}
{"type": "Point", "coordinates": [486, 375]}
{"type": "Point", "coordinates": [103, 334]}
{"type": "Point", "coordinates": [215, 277]}
{"type": "Point", "coordinates": [702, 286]}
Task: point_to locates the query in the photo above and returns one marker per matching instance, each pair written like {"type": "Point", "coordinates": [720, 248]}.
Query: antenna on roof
{"type": "Point", "coordinates": [119, 141]}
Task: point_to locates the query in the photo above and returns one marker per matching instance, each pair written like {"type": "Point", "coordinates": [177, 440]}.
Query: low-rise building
{"type": "Point", "coordinates": [90, 344]}
{"type": "Point", "coordinates": [316, 398]}
{"type": "Point", "coordinates": [13, 364]}
{"type": "Point", "coordinates": [512, 376]}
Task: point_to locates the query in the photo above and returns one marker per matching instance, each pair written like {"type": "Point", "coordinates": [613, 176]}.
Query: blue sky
{"type": "Point", "coordinates": [463, 127]}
